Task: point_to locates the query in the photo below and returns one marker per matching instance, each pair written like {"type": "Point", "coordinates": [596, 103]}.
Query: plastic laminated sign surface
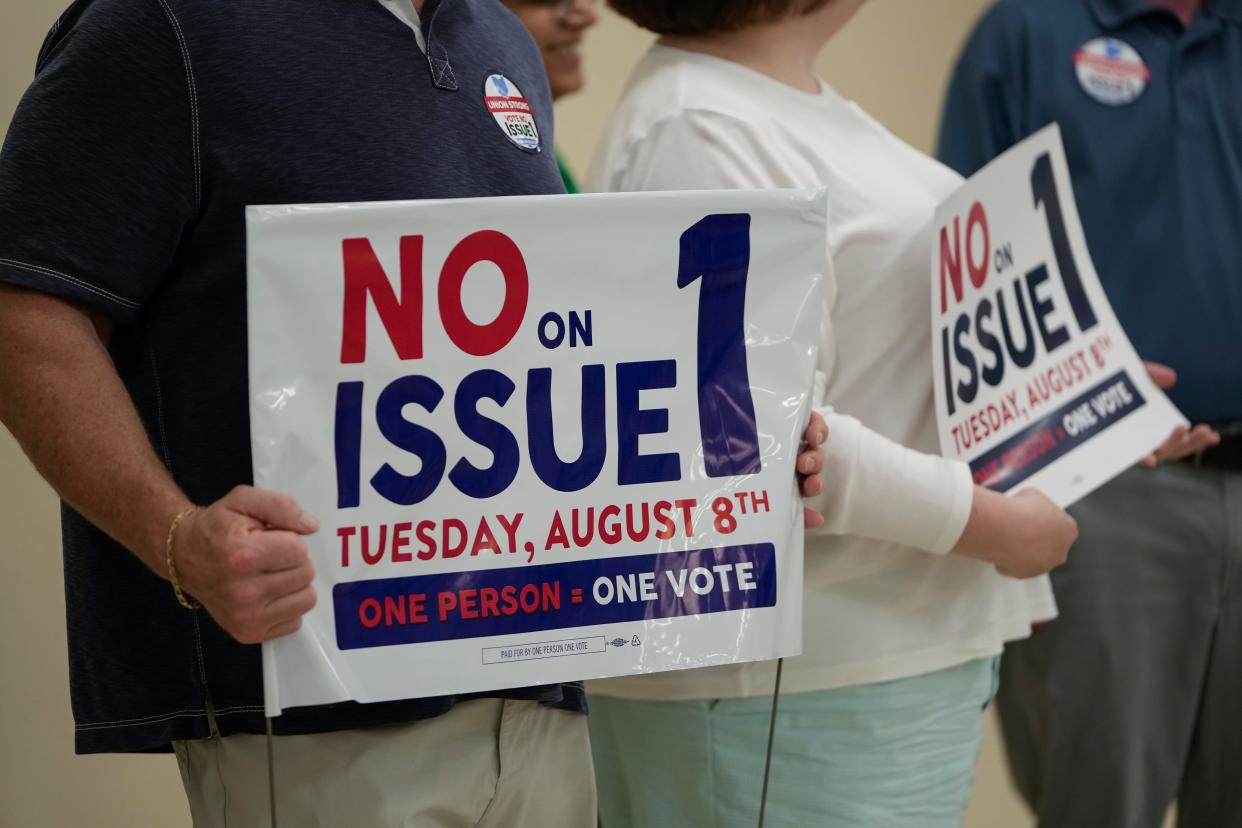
{"type": "Point", "coordinates": [548, 438]}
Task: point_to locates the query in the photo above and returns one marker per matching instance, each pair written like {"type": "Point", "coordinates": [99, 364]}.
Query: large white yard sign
{"type": "Point", "coordinates": [548, 438]}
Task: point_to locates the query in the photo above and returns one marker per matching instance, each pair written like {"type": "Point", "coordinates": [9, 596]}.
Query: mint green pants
{"type": "Point", "coordinates": [898, 754]}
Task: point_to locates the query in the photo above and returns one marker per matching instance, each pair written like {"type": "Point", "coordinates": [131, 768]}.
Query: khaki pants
{"type": "Point", "coordinates": [487, 763]}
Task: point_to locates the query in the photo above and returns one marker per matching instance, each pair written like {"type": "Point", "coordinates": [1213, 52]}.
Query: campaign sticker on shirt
{"type": "Point", "coordinates": [1111, 71]}
{"type": "Point", "coordinates": [511, 111]}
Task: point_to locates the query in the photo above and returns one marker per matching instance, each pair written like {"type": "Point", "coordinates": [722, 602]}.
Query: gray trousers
{"type": "Point", "coordinates": [1132, 698]}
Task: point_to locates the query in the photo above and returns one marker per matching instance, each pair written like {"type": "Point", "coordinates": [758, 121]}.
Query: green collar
{"type": "Point", "coordinates": [571, 186]}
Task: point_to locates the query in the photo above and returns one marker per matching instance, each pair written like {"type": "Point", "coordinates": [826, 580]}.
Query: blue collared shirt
{"type": "Point", "coordinates": [1155, 148]}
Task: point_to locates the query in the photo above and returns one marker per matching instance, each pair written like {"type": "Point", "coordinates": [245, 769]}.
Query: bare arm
{"type": "Point", "coordinates": [62, 399]}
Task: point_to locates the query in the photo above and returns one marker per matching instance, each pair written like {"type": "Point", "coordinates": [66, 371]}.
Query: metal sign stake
{"type": "Point", "coordinates": [767, 761]}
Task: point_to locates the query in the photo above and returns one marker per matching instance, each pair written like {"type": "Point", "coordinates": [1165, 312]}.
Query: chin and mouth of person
{"type": "Point", "coordinates": [563, 62]}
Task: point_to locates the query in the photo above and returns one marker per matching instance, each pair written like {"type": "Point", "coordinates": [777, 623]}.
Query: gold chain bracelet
{"type": "Point", "coordinates": [185, 601]}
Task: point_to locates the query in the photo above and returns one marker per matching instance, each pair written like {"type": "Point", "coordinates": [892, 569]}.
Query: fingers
{"type": "Point", "coordinates": [812, 519]}
{"type": "Point", "coordinates": [281, 630]}
{"type": "Point", "coordinates": [289, 582]}
{"type": "Point", "coordinates": [1035, 495]}
{"type": "Point", "coordinates": [272, 509]}
{"type": "Point", "coordinates": [280, 617]}
{"type": "Point", "coordinates": [248, 563]}
{"type": "Point", "coordinates": [1171, 447]}
{"type": "Point", "coordinates": [1183, 443]}
{"type": "Point", "coordinates": [1162, 375]}
{"type": "Point", "coordinates": [289, 607]}
{"type": "Point", "coordinates": [811, 462]}
{"type": "Point", "coordinates": [816, 431]}
{"type": "Point", "coordinates": [259, 553]}
{"type": "Point", "coordinates": [1044, 543]}
{"type": "Point", "coordinates": [1203, 437]}
{"type": "Point", "coordinates": [811, 486]}
{"type": "Point", "coordinates": [280, 551]}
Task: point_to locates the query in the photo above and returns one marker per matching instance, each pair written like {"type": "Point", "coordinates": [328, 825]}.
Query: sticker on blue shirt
{"type": "Point", "coordinates": [1111, 71]}
{"type": "Point", "coordinates": [511, 111]}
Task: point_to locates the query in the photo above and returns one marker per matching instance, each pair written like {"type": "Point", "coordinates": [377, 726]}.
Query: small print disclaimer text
{"type": "Point", "coordinates": [544, 649]}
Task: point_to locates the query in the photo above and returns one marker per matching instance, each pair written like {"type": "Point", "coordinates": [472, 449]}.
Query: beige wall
{"type": "Point", "coordinates": [894, 60]}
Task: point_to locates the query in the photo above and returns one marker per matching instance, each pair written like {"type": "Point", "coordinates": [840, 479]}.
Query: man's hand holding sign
{"type": "Point", "coordinates": [1036, 383]}
{"type": "Point", "coordinates": [1184, 441]}
{"type": "Point", "coordinates": [244, 558]}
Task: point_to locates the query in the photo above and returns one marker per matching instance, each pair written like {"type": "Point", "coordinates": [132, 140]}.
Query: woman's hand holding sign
{"type": "Point", "coordinates": [810, 466]}
{"type": "Point", "coordinates": [1023, 536]}
{"type": "Point", "coordinates": [246, 562]}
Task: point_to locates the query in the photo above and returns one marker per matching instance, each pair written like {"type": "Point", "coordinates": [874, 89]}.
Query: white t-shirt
{"type": "Point", "coordinates": [878, 606]}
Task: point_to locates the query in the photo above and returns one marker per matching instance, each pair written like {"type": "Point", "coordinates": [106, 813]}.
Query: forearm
{"type": "Point", "coordinates": [879, 489]}
{"type": "Point", "coordinates": [876, 488]}
{"type": "Point", "coordinates": [61, 398]}
{"type": "Point", "coordinates": [988, 518]}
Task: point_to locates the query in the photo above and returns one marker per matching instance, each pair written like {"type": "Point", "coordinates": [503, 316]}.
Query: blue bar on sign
{"type": "Point", "coordinates": [451, 606]}
{"type": "Point", "coordinates": [1053, 436]}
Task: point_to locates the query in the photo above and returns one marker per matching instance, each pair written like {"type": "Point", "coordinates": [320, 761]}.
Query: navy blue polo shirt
{"type": "Point", "coordinates": [1151, 114]}
{"type": "Point", "coordinates": [149, 126]}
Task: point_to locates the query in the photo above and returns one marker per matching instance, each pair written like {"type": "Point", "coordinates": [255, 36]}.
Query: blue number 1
{"type": "Point", "coordinates": [718, 250]}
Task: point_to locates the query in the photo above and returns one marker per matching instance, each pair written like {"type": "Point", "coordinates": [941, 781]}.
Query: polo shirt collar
{"type": "Point", "coordinates": [1115, 13]}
